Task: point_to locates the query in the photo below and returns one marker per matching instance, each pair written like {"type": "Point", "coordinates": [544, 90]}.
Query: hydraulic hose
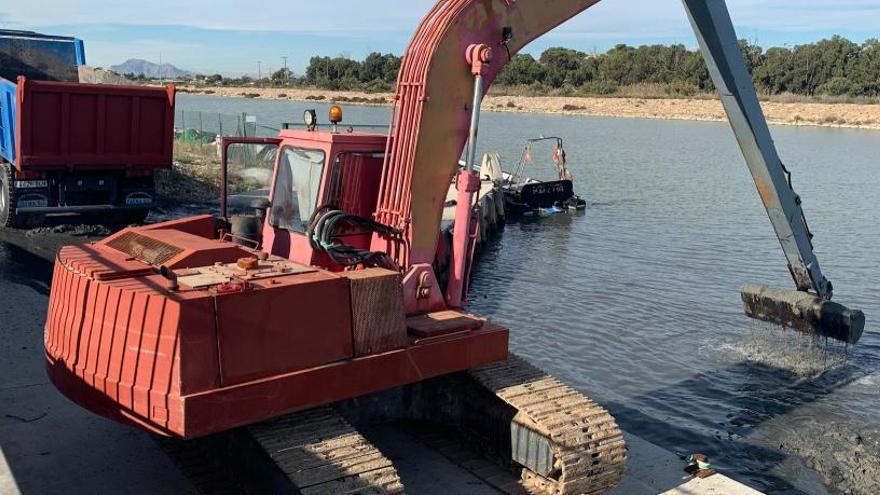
{"type": "Point", "coordinates": [323, 233]}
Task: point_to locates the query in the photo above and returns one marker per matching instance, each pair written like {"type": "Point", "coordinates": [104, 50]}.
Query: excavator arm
{"type": "Point", "coordinates": [811, 313]}
{"type": "Point", "coordinates": [433, 117]}
{"type": "Point", "coordinates": [717, 39]}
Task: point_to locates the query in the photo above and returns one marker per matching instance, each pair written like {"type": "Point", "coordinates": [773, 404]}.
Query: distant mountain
{"type": "Point", "coordinates": [137, 67]}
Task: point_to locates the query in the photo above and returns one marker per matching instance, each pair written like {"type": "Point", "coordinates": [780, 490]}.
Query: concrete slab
{"type": "Point", "coordinates": [652, 469]}
{"type": "Point", "coordinates": [48, 445]}
{"type": "Point", "coordinates": [422, 469]}
{"type": "Point", "coordinates": [8, 486]}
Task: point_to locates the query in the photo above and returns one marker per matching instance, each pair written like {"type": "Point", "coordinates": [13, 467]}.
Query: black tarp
{"type": "Point", "coordinates": [37, 56]}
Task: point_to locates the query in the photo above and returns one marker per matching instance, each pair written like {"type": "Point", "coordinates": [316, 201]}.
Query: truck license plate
{"type": "Point", "coordinates": [31, 184]}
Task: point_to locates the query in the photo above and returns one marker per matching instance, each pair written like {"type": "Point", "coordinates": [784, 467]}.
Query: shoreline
{"type": "Point", "coordinates": [813, 114]}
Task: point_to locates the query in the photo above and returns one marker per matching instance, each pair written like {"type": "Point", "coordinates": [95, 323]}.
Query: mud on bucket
{"type": "Point", "coordinates": [803, 312]}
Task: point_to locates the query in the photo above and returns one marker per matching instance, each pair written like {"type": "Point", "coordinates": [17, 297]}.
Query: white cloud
{"type": "Point", "coordinates": [226, 35]}
{"type": "Point", "coordinates": [352, 16]}
{"type": "Point", "coordinates": [297, 15]}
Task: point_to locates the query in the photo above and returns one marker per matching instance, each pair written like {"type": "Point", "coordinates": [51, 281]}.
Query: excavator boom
{"type": "Point", "coordinates": [435, 87]}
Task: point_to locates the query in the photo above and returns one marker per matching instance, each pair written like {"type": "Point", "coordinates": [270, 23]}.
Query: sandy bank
{"type": "Point", "coordinates": [864, 116]}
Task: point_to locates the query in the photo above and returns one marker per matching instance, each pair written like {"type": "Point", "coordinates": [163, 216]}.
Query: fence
{"type": "Point", "coordinates": [203, 127]}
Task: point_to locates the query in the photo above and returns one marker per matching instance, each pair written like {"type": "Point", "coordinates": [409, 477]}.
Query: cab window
{"type": "Point", "coordinates": [354, 182]}
{"type": "Point", "coordinates": [296, 188]}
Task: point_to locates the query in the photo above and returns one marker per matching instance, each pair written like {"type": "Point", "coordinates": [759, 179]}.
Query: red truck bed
{"type": "Point", "coordinates": [92, 125]}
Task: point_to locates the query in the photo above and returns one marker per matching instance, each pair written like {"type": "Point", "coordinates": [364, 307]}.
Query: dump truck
{"type": "Point", "coordinates": [69, 148]}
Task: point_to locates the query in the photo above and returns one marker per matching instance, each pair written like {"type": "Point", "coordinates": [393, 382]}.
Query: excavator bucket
{"type": "Point", "coordinates": [803, 312]}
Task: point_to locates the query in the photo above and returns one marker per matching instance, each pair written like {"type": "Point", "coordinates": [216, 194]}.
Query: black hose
{"type": "Point", "coordinates": [326, 221]}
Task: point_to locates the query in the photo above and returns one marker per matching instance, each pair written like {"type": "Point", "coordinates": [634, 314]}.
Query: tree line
{"type": "Point", "coordinates": [835, 66]}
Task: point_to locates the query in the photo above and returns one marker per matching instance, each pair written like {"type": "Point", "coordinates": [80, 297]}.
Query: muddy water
{"type": "Point", "coordinates": [636, 300]}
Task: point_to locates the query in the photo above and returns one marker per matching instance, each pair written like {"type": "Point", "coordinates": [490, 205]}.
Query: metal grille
{"type": "Point", "coordinates": [144, 248]}
{"type": "Point", "coordinates": [378, 317]}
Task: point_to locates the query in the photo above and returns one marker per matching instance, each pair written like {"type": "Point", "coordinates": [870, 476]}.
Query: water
{"type": "Point", "coordinates": [636, 301]}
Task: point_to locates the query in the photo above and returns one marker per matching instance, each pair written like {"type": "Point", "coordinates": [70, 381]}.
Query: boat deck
{"type": "Point", "coordinates": [488, 193]}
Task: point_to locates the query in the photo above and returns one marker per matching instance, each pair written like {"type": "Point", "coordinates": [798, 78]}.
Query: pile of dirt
{"type": "Point", "coordinates": [92, 75]}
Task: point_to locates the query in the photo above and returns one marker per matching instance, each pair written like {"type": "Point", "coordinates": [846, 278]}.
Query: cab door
{"type": "Point", "coordinates": [248, 166]}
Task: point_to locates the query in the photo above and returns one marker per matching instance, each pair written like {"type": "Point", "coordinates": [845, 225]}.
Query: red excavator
{"type": "Point", "coordinates": [330, 291]}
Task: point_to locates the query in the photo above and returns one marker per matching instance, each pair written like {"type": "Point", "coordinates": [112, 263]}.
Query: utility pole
{"type": "Point", "coordinates": [286, 72]}
{"type": "Point", "coordinates": [259, 71]}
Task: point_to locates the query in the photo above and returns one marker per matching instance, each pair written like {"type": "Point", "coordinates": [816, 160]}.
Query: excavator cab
{"type": "Point", "coordinates": [311, 170]}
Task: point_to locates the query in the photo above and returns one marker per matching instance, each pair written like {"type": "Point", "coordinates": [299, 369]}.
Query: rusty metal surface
{"type": "Point", "coordinates": [442, 323]}
{"type": "Point", "coordinates": [172, 245]}
{"type": "Point", "coordinates": [377, 312]}
{"type": "Point", "coordinates": [144, 248]}
{"type": "Point", "coordinates": [804, 312]}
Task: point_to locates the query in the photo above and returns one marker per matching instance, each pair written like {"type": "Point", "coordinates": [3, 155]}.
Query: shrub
{"type": "Point", "coordinates": [599, 88]}
{"type": "Point", "coordinates": [681, 88]}
{"type": "Point", "coordinates": [839, 86]}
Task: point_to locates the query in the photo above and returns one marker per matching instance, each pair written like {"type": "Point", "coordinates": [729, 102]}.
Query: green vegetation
{"type": "Point", "coordinates": [835, 67]}
{"type": "Point", "coordinates": [831, 67]}
{"type": "Point", "coordinates": [376, 73]}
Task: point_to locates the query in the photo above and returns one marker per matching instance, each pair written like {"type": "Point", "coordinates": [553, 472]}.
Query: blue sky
{"type": "Point", "coordinates": [221, 36]}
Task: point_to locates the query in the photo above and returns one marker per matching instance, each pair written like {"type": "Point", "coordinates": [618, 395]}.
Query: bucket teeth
{"type": "Point", "coordinates": [566, 443]}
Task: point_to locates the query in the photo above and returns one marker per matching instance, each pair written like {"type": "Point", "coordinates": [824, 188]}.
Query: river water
{"type": "Point", "coordinates": [636, 301]}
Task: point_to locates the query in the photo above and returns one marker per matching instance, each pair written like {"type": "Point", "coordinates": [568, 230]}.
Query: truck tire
{"type": "Point", "coordinates": [8, 197]}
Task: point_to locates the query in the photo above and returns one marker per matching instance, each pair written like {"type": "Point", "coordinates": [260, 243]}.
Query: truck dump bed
{"type": "Point", "coordinates": [40, 56]}
{"type": "Point", "coordinates": [46, 125]}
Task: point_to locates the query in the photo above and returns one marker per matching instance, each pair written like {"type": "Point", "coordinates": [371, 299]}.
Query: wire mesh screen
{"type": "Point", "coordinates": [192, 125]}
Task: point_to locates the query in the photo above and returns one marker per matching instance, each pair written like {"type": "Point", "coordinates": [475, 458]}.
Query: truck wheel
{"type": "Point", "coordinates": [7, 197]}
